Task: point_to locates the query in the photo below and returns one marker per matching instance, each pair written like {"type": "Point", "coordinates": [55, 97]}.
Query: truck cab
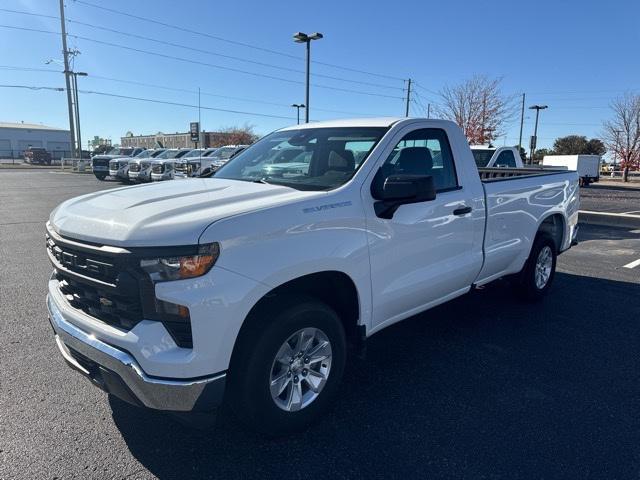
{"type": "Point", "coordinates": [488, 156]}
{"type": "Point", "coordinates": [212, 162]}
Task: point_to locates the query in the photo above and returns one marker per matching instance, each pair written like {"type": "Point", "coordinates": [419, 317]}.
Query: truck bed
{"type": "Point", "coordinates": [516, 201]}
{"type": "Point", "coordinates": [498, 174]}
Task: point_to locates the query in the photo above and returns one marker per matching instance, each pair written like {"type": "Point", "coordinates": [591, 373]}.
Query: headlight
{"type": "Point", "coordinates": [178, 268]}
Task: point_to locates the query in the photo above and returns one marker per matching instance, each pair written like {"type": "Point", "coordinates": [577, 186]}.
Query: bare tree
{"type": "Point", "coordinates": [478, 106]}
{"type": "Point", "coordinates": [622, 132]}
{"type": "Point", "coordinates": [244, 135]}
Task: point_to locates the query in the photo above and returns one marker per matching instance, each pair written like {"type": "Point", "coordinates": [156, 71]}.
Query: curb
{"type": "Point", "coordinates": [608, 219]}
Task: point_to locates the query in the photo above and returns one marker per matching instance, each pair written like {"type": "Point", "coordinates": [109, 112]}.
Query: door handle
{"type": "Point", "coordinates": [462, 211]}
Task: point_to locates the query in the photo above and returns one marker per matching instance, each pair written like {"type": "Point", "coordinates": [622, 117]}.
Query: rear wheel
{"type": "Point", "coordinates": [535, 279]}
{"type": "Point", "coordinates": [288, 366]}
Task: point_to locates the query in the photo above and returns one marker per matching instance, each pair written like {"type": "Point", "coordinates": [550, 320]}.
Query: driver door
{"type": "Point", "coordinates": [427, 252]}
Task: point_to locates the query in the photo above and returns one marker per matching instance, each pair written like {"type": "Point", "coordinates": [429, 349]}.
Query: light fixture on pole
{"type": "Point", "coordinates": [300, 37]}
{"type": "Point", "coordinates": [298, 106]}
{"type": "Point", "coordinates": [534, 138]}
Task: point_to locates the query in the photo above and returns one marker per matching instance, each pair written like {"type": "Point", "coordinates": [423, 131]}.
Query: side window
{"type": "Point", "coordinates": [506, 159]}
{"type": "Point", "coordinates": [424, 152]}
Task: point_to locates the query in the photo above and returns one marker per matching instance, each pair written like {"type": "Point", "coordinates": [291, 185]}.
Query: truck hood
{"type": "Point", "coordinates": [166, 213]}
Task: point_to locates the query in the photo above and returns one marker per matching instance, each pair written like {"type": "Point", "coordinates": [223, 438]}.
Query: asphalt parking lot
{"type": "Point", "coordinates": [611, 197]}
{"type": "Point", "coordinates": [483, 387]}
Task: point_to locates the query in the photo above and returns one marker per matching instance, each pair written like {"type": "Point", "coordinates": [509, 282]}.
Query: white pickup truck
{"type": "Point", "coordinates": [249, 287]}
{"type": "Point", "coordinates": [492, 157]}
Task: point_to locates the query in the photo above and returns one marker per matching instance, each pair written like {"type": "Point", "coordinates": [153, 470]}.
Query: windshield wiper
{"type": "Point", "coordinates": [260, 180]}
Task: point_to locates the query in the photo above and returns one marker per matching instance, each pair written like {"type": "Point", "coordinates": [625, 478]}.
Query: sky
{"type": "Point", "coordinates": [574, 56]}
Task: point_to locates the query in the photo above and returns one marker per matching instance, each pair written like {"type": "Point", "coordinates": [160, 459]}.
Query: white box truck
{"type": "Point", "coordinates": [587, 166]}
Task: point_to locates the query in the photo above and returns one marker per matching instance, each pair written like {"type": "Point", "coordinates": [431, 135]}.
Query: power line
{"type": "Point", "coordinates": [426, 89]}
{"type": "Point", "coordinates": [232, 57]}
{"type": "Point", "coordinates": [150, 100]}
{"type": "Point", "coordinates": [197, 62]}
{"type": "Point", "coordinates": [226, 40]}
{"type": "Point", "coordinates": [182, 90]}
{"type": "Point", "coordinates": [31, 87]}
{"type": "Point", "coordinates": [192, 48]}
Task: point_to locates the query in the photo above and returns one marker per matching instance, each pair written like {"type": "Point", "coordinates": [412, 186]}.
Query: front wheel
{"type": "Point", "coordinates": [535, 279]}
{"type": "Point", "coordinates": [289, 367]}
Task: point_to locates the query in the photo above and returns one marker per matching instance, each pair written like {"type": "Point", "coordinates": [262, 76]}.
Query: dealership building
{"type": "Point", "coordinates": [179, 140]}
{"type": "Point", "coordinates": [17, 137]}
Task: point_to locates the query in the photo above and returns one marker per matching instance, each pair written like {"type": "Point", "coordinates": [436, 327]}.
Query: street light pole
{"type": "Point", "coordinates": [298, 106]}
{"type": "Point", "coordinates": [300, 37]}
{"type": "Point", "coordinates": [534, 139]}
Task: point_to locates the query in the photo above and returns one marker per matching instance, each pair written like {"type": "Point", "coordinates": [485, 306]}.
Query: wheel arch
{"type": "Point", "coordinates": [555, 226]}
{"type": "Point", "coordinates": [335, 288]}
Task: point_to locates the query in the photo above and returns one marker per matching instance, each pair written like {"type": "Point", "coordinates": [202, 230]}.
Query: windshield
{"type": "Point", "coordinates": [194, 153]}
{"type": "Point", "coordinates": [306, 159]}
{"type": "Point", "coordinates": [223, 152]}
{"type": "Point", "coordinates": [181, 153]}
{"type": "Point", "coordinates": [168, 154]}
{"type": "Point", "coordinates": [482, 156]}
{"type": "Point", "coordinates": [120, 151]}
{"type": "Point", "coordinates": [156, 153]}
{"type": "Point", "coordinates": [144, 154]}
{"type": "Point", "coordinates": [208, 153]}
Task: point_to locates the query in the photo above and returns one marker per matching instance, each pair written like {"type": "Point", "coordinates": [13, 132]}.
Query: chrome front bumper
{"type": "Point", "coordinates": [117, 372]}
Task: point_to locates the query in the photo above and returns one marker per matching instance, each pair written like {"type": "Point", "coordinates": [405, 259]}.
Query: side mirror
{"type": "Point", "coordinates": [399, 190]}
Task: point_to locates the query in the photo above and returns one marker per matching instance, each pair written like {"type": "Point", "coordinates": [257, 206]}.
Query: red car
{"type": "Point", "coordinates": [37, 155]}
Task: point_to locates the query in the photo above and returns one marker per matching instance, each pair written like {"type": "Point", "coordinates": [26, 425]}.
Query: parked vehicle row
{"type": "Point", "coordinates": [248, 287]}
{"type": "Point", "coordinates": [140, 165]}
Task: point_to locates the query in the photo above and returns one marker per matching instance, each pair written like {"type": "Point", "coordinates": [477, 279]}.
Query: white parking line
{"type": "Point", "coordinates": [633, 264]}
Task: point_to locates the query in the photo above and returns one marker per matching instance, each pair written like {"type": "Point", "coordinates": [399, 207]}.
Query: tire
{"type": "Point", "coordinates": [532, 283]}
{"type": "Point", "coordinates": [255, 366]}
{"type": "Point", "coordinates": [100, 176]}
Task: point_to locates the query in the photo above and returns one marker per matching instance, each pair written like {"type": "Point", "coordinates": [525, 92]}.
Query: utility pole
{"type": "Point", "coordinates": [76, 105]}
{"type": "Point", "coordinates": [428, 110]}
{"type": "Point", "coordinates": [199, 124]}
{"type": "Point", "coordinates": [406, 113]}
{"type": "Point", "coordinates": [77, 113]}
{"type": "Point", "coordinates": [67, 79]}
{"type": "Point", "coordinates": [521, 125]}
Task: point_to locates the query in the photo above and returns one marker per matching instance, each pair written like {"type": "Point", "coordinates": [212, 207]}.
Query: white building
{"type": "Point", "coordinates": [16, 137]}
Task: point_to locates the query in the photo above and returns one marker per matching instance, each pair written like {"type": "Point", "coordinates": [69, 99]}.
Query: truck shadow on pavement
{"type": "Point", "coordinates": [482, 386]}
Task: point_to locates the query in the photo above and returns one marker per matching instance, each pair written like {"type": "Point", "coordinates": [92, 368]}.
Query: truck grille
{"type": "Point", "coordinates": [100, 162]}
{"type": "Point", "coordinates": [110, 288]}
{"type": "Point", "coordinates": [112, 308]}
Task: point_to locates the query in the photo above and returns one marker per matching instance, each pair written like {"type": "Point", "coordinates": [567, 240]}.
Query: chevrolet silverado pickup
{"type": "Point", "coordinates": [101, 164]}
{"type": "Point", "coordinates": [247, 287]}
